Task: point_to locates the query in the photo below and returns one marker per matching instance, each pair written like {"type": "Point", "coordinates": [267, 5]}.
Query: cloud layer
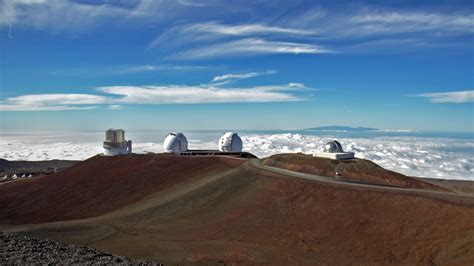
{"type": "Point", "coordinates": [414, 156]}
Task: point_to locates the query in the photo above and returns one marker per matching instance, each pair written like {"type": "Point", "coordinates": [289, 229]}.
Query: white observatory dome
{"type": "Point", "coordinates": [230, 142]}
{"type": "Point", "coordinates": [175, 142]}
{"type": "Point", "coordinates": [333, 146]}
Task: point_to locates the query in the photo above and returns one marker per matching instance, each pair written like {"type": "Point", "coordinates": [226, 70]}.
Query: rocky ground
{"type": "Point", "coordinates": [18, 249]}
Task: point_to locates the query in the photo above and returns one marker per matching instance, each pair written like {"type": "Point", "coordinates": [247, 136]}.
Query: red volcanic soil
{"type": "Point", "coordinates": [99, 185]}
{"type": "Point", "coordinates": [247, 215]}
{"type": "Point", "coordinates": [310, 223]}
{"type": "Point", "coordinates": [357, 170]}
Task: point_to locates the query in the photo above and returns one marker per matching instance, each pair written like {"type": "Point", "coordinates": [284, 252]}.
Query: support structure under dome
{"type": "Point", "coordinates": [115, 143]}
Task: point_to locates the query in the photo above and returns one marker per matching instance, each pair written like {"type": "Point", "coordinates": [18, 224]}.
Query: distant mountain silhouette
{"type": "Point", "coordinates": [341, 128]}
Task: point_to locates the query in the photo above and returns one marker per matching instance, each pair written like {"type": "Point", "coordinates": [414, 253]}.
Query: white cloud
{"type": "Point", "coordinates": [230, 77]}
{"type": "Point", "coordinates": [449, 97]}
{"type": "Point", "coordinates": [296, 85]}
{"type": "Point", "coordinates": [51, 102]}
{"type": "Point", "coordinates": [115, 107]}
{"type": "Point", "coordinates": [60, 99]}
{"type": "Point", "coordinates": [382, 21]}
{"type": "Point", "coordinates": [363, 28]}
{"type": "Point", "coordinates": [212, 31]}
{"type": "Point", "coordinates": [242, 29]}
{"type": "Point", "coordinates": [199, 94]}
{"type": "Point", "coordinates": [245, 47]}
{"type": "Point", "coordinates": [318, 30]}
{"type": "Point", "coordinates": [12, 107]}
{"type": "Point", "coordinates": [212, 39]}
{"type": "Point", "coordinates": [151, 68]}
{"type": "Point", "coordinates": [192, 3]}
{"type": "Point", "coordinates": [165, 94]}
{"type": "Point", "coordinates": [362, 21]}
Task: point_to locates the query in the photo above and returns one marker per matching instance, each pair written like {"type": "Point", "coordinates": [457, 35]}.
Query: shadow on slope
{"type": "Point", "coordinates": [99, 185]}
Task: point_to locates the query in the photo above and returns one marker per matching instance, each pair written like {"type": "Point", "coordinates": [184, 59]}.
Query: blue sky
{"type": "Point", "coordinates": [188, 64]}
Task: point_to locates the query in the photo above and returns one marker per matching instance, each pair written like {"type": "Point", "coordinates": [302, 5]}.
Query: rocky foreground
{"type": "Point", "coordinates": [18, 249]}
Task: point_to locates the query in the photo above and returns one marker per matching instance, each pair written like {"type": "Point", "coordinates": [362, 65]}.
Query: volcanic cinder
{"type": "Point", "coordinates": [175, 209]}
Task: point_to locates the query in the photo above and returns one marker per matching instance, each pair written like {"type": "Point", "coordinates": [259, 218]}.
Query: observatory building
{"type": "Point", "coordinates": [333, 150]}
{"type": "Point", "coordinates": [175, 142]}
{"type": "Point", "coordinates": [230, 142]}
{"type": "Point", "coordinates": [115, 143]}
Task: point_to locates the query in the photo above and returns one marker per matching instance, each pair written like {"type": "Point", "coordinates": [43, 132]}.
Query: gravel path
{"type": "Point", "coordinates": [18, 249]}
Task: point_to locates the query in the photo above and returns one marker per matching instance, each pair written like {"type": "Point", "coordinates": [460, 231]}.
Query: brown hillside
{"type": "Point", "coordinates": [99, 185]}
{"type": "Point", "coordinates": [357, 170]}
{"type": "Point", "coordinates": [250, 216]}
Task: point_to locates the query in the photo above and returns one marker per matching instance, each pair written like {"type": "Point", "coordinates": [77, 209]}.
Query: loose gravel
{"type": "Point", "coordinates": [19, 249]}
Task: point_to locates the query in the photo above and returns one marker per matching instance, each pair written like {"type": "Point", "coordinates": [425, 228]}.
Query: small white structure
{"type": "Point", "coordinates": [230, 142]}
{"type": "Point", "coordinates": [333, 150]}
{"type": "Point", "coordinates": [175, 143]}
{"type": "Point", "coordinates": [115, 143]}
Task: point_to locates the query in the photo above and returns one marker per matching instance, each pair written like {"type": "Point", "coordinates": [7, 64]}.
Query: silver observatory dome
{"type": "Point", "coordinates": [230, 142]}
{"type": "Point", "coordinates": [175, 142]}
{"type": "Point", "coordinates": [333, 146]}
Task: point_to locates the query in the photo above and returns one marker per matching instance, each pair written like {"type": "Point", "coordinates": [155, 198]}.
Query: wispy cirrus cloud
{"type": "Point", "coordinates": [231, 77]}
{"type": "Point", "coordinates": [240, 29]}
{"type": "Point", "coordinates": [449, 97]}
{"type": "Point", "coordinates": [362, 21]}
{"type": "Point", "coordinates": [208, 31]}
{"type": "Point", "coordinates": [284, 27]}
{"type": "Point", "coordinates": [59, 15]}
{"type": "Point", "coordinates": [115, 107]}
{"type": "Point", "coordinates": [151, 68]}
{"type": "Point", "coordinates": [366, 28]}
{"type": "Point", "coordinates": [221, 40]}
{"type": "Point", "coordinates": [360, 28]}
{"type": "Point", "coordinates": [247, 47]}
{"type": "Point", "coordinates": [127, 70]}
{"type": "Point", "coordinates": [370, 22]}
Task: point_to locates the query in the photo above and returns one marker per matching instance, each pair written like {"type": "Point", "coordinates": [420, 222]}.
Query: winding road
{"type": "Point", "coordinates": [464, 199]}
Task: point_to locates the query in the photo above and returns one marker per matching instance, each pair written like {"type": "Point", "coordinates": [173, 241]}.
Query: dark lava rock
{"type": "Point", "coordinates": [20, 250]}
